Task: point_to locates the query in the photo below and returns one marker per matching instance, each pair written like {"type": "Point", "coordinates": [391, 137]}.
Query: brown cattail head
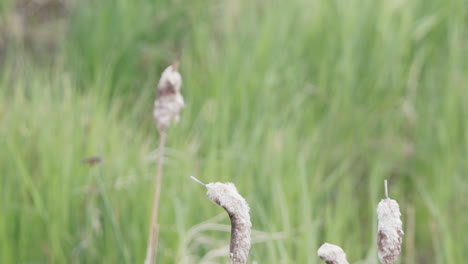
{"type": "Point", "coordinates": [169, 101]}
{"type": "Point", "coordinates": [332, 254]}
{"type": "Point", "coordinates": [227, 196]}
{"type": "Point", "coordinates": [390, 233]}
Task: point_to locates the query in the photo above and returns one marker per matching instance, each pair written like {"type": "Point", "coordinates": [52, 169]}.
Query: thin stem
{"type": "Point", "coordinates": [110, 213]}
{"type": "Point", "coordinates": [175, 66]}
{"type": "Point", "coordinates": [153, 235]}
{"type": "Point", "coordinates": [386, 189]}
{"type": "Point", "coordinates": [197, 180]}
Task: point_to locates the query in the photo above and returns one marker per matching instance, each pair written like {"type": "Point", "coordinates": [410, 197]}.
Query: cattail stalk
{"type": "Point", "coordinates": [167, 106]}
{"type": "Point", "coordinates": [227, 196]}
{"type": "Point", "coordinates": [332, 254]}
{"type": "Point", "coordinates": [153, 236]}
{"type": "Point", "coordinates": [390, 231]}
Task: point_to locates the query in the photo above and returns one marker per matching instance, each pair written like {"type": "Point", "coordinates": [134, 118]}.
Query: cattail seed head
{"type": "Point", "coordinates": [390, 231]}
{"type": "Point", "coordinates": [169, 101]}
{"type": "Point", "coordinates": [227, 196]}
{"type": "Point", "coordinates": [332, 254]}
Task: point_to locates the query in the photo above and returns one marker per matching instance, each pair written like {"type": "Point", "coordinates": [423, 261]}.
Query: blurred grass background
{"type": "Point", "coordinates": [307, 106]}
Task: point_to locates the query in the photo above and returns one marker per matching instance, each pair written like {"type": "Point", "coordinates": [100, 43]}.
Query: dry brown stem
{"type": "Point", "coordinates": [153, 236]}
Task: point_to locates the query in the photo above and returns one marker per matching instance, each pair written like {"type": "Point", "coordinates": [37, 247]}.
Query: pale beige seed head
{"type": "Point", "coordinates": [227, 196]}
{"type": "Point", "coordinates": [390, 231]}
{"type": "Point", "coordinates": [168, 101]}
{"type": "Point", "coordinates": [332, 254]}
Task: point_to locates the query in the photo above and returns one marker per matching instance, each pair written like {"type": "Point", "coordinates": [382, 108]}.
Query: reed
{"type": "Point", "coordinates": [227, 196]}
{"type": "Point", "coordinates": [332, 254]}
{"type": "Point", "coordinates": [167, 106]}
{"type": "Point", "coordinates": [389, 236]}
{"type": "Point", "coordinates": [390, 230]}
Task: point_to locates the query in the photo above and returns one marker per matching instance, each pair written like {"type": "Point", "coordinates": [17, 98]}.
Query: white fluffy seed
{"type": "Point", "coordinates": [227, 196]}
{"type": "Point", "coordinates": [332, 254]}
{"type": "Point", "coordinates": [169, 101]}
{"type": "Point", "coordinates": [390, 231]}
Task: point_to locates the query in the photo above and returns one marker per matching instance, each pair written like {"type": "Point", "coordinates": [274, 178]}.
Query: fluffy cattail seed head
{"type": "Point", "coordinates": [169, 101]}
{"type": "Point", "coordinates": [390, 230]}
{"type": "Point", "coordinates": [227, 196]}
{"type": "Point", "coordinates": [332, 254]}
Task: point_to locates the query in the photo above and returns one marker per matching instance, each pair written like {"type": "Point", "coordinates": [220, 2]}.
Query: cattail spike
{"type": "Point", "coordinates": [169, 101]}
{"type": "Point", "coordinates": [332, 254]}
{"type": "Point", "coordinates": [167, 106]}
{"type": "Point", "coordinates": [390, 230]}
{"type": "Point", "coordinates": [227, 196]}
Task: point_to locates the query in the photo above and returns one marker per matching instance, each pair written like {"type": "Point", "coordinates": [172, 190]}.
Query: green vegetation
{"type": "Point", "coordinates": [307, 106]}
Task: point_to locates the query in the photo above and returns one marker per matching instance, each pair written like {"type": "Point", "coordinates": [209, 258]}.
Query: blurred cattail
{"type": "Point", "coordinates": [169, 101]}
{"type": "Point", "coordinates": [332, 254]}
{"type": "Point", "coordinates": [227, 196]}
{"type": "Point", "coordinates": [167, 106]}
{"type": "Point", "coordinates": [390, 233]}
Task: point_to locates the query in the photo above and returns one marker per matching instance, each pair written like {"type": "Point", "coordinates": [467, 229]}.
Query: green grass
{"type": "Point", "coordinates": [307, 106]}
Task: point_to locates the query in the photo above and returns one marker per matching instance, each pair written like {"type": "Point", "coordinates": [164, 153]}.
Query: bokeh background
{"type": "Point", "coordinates": [307, 106]}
